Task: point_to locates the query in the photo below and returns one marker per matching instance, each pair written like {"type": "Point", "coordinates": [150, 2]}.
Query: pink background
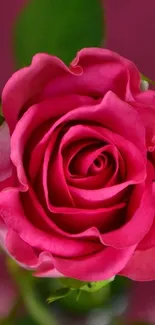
{"type": "Point", "coordinates": [8, 11]}
{"type": "Point", "coordinates": [130, 31]}
{"type": "Point", "coordinates": [8, 292]}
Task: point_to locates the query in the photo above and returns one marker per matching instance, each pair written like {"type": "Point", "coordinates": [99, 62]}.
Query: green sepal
{"type": "Point", "coordinates": [84, 286]}
{"type": "Point", "coordinates": [59, 294]}
{"type": "Point", "coordinates": [72, 283]}
{"type": "Point", "coordinates": [95, 286]}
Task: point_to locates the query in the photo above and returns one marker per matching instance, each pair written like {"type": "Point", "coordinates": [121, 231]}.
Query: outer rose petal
{"type": "Point", "coordinates": [101, 265]}
{"type": "Point", "coordinates": [147, 114]}
{"type": "Point", "coordinates": [146, 97]}
{"type": "Point", "coordinates": [117, 73]}
{"type": "Point", "coordinates": [149, 240]}
{"type": "Point", "coordinates": [27, 83]}
{"type": "Point", "coordinates": [26, 256]}
{"type": "Point", "coordinates": [45, 267]}
{"type": "Point", "coordinates": [107, 71]}
{"type": "Point", "coordinates": [15, 219]}
{"type": "Point", "coordinates": [141, 266]}
{"type": "Point", "coordinates": [95, 267]}
{"type": "Point", "coordinates": [19, 249]}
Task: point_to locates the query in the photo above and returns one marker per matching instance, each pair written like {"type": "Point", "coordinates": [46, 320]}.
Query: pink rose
{"type": "Point", "coordinates": [78, 193]}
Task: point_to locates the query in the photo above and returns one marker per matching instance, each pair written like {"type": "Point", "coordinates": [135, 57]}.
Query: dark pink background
{"type": "Point", "coordinates": [130, 31]}
{"type": "Point", "coordinates": [8, 12]}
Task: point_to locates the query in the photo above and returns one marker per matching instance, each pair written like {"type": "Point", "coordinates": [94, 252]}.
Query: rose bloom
{"type": "Point", "coordinates": [77, 168]}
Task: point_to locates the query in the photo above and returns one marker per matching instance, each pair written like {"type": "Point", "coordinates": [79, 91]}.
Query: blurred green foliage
{"type": "Point", "coordinates": [25, 321]}
{"type": "Point", "coordinates": [70, 285]}
{"type": "Point", "coordinates": [35, 291]}
{"type": "Point", "coordinates": [57, 27]}
{"type": "Point", "coordinates": [119, 285]}
{"type": "Point", "coordinates": [86, 301]}
{"type": "Point", "coordinates": [59, 294]}
{"type": "Point", "coordinates": [1, 119]}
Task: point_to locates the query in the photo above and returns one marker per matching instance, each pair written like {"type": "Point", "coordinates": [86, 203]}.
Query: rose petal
{"type": "Point", "coordinates": [106, 70]}
{"type": "Point", "coordinates": [115, 69]}
{"type": "Point", "coordinates": [149, 240]}
{"type": "Point", "coordinates": [122, 121]}
{"type": "Point", "coordinates": [14, 217]}
{"type": "Point", "coordinates": [147, 114]}
{"type": "Point", "coordinates": [19, 249]}
{"type": "Point", "coordinates": [76, 220]}
{"type": "Point", "coordinates": [140, 215]}
{"type": "Point", "coordinates": [104, 220]}
{"type": "Point", "coordinates": [45, 266]}
{"type": "Point", "coordinates": [96, 198]}
{"type": "Point", "coordinates": [28, 83]}
{"type": "Point", "coordinates": [146, 97]}
{"type": "Point", "coordinates": [141, 266]}
{"type": "Point", "coordinates": [104, 175]}
{"type": "Point", "coordinates": [99, 266]}
{"type": "Point", "coordinates": [36, 115]}
{"type": "Point", "coordinates": [84, 197]}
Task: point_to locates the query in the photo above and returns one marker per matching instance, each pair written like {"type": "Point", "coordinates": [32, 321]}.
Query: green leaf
{"type": "Point", "coordinates": [25, 321]}
{"type": "Point", "coordinates": [60, 27]}
{"type": "Point", "coordinates": [120, 285]}
{"type": "Point", "coordinates": [1, 114]}
{"type": "Point", "coordinates": [1, 119]}
{"type": "Point", "coordinates": [147, 79]}
{"type": "Point", "coordinates": [59, 294]}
